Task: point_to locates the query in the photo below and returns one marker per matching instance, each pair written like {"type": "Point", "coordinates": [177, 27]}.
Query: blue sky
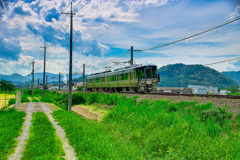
{"type": "Point", "coordinates": [106, 29]}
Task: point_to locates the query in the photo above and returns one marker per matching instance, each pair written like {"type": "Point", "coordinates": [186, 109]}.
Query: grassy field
{"type": "Point", "coordinates": [10, 128]}
{"type": "Point", "coordinates": [152, 130]}
{"type": "Point", "coordinates": [8, 97]}
{"type": "Point", "coordinates": [148, 129]}
{"type": "Point", "coordinates": [43, 142]}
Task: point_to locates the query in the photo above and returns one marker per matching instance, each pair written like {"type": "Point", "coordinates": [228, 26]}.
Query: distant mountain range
{"type": "Point", "coordinates": [234, 75]}
{"type": "Point", "coordinates": [52, 78]}
{"type": "Point", "coordinates": [181, 75]}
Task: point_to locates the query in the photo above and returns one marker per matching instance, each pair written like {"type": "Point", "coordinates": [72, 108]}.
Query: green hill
{"type": "Point", "coordinates": [181, 75]}
{"type": "Point", "coordinates": [234, 75]}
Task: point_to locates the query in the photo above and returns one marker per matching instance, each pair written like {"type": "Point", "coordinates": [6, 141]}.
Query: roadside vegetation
{"type": "Point", "coordinates": [159, 129]}
{"type": "Point", "coordinates": [147, 129]}
{"type": "Point", "coordinates": [11, 122]}
{"type": "Point", "coordinates": [43, 142]}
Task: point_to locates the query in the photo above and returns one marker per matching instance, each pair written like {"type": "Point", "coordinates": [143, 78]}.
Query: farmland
{"type": "Point", "coordinates": [8, 97]}
{"type": "Point", "coordinates": [130, 128]}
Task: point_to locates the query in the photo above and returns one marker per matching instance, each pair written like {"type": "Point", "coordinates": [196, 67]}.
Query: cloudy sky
{"type": "Point", "coordinates": [104, 31]}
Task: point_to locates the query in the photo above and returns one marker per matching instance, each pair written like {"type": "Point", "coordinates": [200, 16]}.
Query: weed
{"type": "Point", "coordinates": [43, 142]}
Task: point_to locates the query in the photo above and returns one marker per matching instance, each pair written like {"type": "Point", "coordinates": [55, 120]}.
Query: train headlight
{"type": "Point", "coordinates": [142, 82]}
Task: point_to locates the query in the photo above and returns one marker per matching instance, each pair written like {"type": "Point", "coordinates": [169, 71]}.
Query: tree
{"type": "Point", "coordinates": [6, 85]}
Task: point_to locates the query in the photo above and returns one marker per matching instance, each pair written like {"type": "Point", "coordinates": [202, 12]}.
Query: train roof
{"type": "Point", "coordinates": [118, 70]}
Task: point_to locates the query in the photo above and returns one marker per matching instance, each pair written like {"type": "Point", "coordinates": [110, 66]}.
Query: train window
{"type": "Point", "coordinates": [140, 73]}
{"type": "Point", "coordinates": [113, 78]}
{"type": "Point", "coordinates": [154, 70]}
{"type": "Point", "coordinates": [131, 75]}
{"type": "Point", "coordinates": [103, 79]}
{"type": "Point", "coordinates": [97, 80]}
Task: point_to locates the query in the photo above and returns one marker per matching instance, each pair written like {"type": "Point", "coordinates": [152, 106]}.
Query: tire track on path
{"type": "Point", "coordinates": [68, 149]}
{"type": "Point", "coordinates": [30, 108]}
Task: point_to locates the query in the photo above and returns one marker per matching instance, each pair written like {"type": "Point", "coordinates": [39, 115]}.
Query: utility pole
{"type": "Point", "coordinates": [70, 60]}
{"type": "Point", "coordinates": [83, 76]}
{"type": "Point", "coordinates": [59, 80]}
{"type": "Point", "coordinates": [46, 81]}
{"type": "Point", "coordinates": [32, 76]}
{"type": "Point", "coordinates": [44, 67]}
{"type": "Point", "coordinates": [131, 61]}
{"type": "Point", "coordinates": [38, 83]}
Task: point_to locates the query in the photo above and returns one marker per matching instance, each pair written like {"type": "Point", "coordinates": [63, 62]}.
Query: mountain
{"type": "Point", "coordinates": [181, 75]}
{"type": "Point", "coordinates": [234, 75]}
{"type": "Point", "coordinates": [15, 78]}
{"type": "Point", "coordinates": [51, 76]}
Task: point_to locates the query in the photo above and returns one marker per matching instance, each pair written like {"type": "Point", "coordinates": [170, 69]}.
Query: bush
{"type": "Point", "coordinates": [12, 101]}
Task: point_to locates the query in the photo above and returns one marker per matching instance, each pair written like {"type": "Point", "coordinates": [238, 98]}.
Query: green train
{"type": "Point", "coordinates": [138, 78]}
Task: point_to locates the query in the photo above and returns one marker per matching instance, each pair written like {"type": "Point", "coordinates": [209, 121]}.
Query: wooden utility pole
{"type": "Point", "coordinates": [32, 86]}
{"type": "Point", "coordinates": [59, 80]}
{"type": "Point", "coordinates": [44, 67]}
{"type": "Point", "coordinates": [38, 83]}
{"type": "Point", "coordinates": [70, 60]}
{"type": "Point", "coordinates": [83, 77]}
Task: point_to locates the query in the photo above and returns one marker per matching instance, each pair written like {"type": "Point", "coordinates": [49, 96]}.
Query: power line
{"type": "Point", "coordinates": [194, 35]}
{"type": "Point", "coordinates": [222, 61]}
{"type": "Point", "coordinates": [83, 6]}
{"type": "Point", "coordinates": [189, 41]}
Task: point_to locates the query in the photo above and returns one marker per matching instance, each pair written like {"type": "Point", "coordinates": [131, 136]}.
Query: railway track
{"type": "Point", "coordinates": [191, 95]}
{"type": "Point", "coordinates": [187, 95]}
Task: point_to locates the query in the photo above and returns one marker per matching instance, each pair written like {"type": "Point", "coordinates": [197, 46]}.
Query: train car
{"type": "Point", "coordinates": [138, 78]}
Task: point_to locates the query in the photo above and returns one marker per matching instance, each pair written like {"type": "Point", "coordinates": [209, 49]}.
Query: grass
{"type": "Point", "coordinates": [152, 130]}
{"type": "Point", "coordinates": [93, 141]}
{"type": "Point", "coordinates": [43, 142]}
{"type": "Point", "coordinates": [11, 122]}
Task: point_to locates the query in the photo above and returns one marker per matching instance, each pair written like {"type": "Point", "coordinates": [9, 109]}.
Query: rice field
{"type": "Point", "coordinates": [2, 99]}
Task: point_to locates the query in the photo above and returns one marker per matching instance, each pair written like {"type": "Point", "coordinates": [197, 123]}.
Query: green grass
{"type": "Point", "coordinates": [34, 99]}
{"type": "Point", "coordinates": [43, 142]}
{"type": "Point", "coordinates": [152, 130]}
{"type": "Point", "coordinates": [11, 122]}
{"type": "Point", "coordinates": [93, 141]}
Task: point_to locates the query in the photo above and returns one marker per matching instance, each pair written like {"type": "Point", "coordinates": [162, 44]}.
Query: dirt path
{"type": "Point", "coordinates": [80, 110]}
{"type": "Point", "coordinates": [68, 149]}
{"type": "Point", "coordinates": [30, 108]}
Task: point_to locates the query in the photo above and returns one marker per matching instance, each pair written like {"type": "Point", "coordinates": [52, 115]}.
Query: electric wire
{"type": "Point", "coordinates": [185, 42]}
{"type": "Point", "coordinates": [194, 35]}
{"type": "Point", "coordinates": [188, 37]}
{"type": "Point", "coordinates": [83, 6]}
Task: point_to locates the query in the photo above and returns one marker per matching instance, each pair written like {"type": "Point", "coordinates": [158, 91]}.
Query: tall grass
{"type": "Point", "coordinates": [162, 129]}
{"type": "Point", "coordinates": [43, 142]}
{"type": "Point", "coordinates": [10, 128]}
{"type": "Point", "coordinates": [93, 141]}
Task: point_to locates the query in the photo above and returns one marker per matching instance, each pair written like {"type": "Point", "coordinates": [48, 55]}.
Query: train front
{"type": "Point", "coordinates": [148, 78]}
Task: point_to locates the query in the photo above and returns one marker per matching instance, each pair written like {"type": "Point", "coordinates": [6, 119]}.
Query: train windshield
{"type": "Point", "coordinates": [150, 72]}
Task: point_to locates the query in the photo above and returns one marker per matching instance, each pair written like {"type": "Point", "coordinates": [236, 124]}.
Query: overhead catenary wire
{"type": "Point", "coordinates": [185, 43]}
{"type": "Point", "coordinates": [191, 36]}
{"type": "Point", "coordinates": [194, 35]}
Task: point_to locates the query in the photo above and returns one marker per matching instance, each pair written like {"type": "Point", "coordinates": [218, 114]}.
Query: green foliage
{"type": "Point", "coordinates": [10, 128]}
{"type": "Point", "coordinates": [12, 101]}
{"type": "Point", "coordinates": [181, 75]}
{"type": "Point", "coordinates": [93, 141]}
{"type": "Point", "coordinates": [233, 89]}
{"type": "Point", "coordinates": [159, 129]}
{"type": "Point", "coordinates": [43, 142]}
{"type": "Point", "coordinates": [6, 86]}
{"type": "Point", "coordinates": [79, 88]}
